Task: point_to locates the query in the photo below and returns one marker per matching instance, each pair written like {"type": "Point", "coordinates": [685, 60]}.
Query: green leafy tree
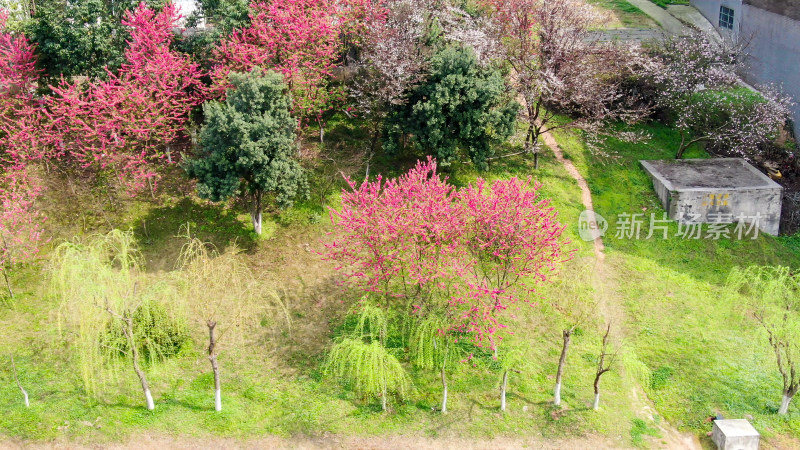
{"type": "Point", "coordinates": [80, 38]}
{"type": "Point", "coordinates": [246, 146]}
{"type": "Point", "coordinates": [462, 106]}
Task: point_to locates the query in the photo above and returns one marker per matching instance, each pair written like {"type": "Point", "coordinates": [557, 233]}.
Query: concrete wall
{"type": "Point", "coordinates": [788, 8]}
{"type": "Point", "coordinates": [774, 48]}
{"type": "Point", "coordinates": [710, 10]}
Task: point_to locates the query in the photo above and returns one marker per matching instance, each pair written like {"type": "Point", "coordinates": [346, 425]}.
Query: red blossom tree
{"type": "Point", "coordinates": [131, 119]}
{"type": "Point", "coordinates": [20, 222]}
{"type": "Point", "coordinates": [301, 39]}
{"type": "Point", "coordinates": [428, 248]}
{"type": "Point", "coordinates": [20, 137]}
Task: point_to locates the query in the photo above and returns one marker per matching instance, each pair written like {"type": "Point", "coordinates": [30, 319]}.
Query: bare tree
{"type": "Point", "coordinates": [571, 305]}
{"type": "Point", "coordinates": [604, 362]}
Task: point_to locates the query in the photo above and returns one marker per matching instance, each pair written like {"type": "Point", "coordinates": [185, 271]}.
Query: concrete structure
{"type": "Point", "coordinates": [773, 29]}
{"type": "Point", "coordinates": [720, 190]}
{"type": "Point", "coordinates": [735, 434]}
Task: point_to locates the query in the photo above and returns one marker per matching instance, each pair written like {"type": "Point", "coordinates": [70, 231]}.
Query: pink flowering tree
{"type": "Point", "coordinates": [20, 137]}
{"type": "Point", "coordinates": [475, 252]}
{"type": "Point", "coordinates": [301, 39]}
{"type": "Point", "coordinates": [131, 120]}
{"type": "Point", "coordinates": [452, 261]}
{"type": "Point", "coordinates": [20, 222]}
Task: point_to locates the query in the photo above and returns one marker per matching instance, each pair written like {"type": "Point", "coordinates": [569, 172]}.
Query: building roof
{"type": "Point", "coordinates": [788, 8]}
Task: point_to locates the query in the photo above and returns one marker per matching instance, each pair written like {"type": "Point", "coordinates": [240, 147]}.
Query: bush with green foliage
{"type": "Point", "coordinates": [247, 145]}
{"type": "Point", "coordinates": [160, 335]}
{"type": "Point", "coordinates": [461, 106]}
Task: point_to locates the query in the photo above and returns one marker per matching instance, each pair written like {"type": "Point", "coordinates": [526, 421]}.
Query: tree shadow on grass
{"type": "Point", "coordinates": [158, 231]}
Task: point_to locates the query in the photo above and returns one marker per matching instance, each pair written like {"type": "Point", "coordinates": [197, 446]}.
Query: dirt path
{"type": "Point", "coordinates": [158, 442]}
{"type": "Point", "coordinates": [608, 303]}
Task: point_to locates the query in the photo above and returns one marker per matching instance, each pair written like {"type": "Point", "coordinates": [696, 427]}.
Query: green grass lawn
{"type": "Point", "coordinates": [665, 3]}
{"type": "Point", "coordinates": [705, 353]}
{"type": "Point", "coordinates": [692, 354]}
{"type": "Point", "coordinates": [272, 383]}
{"type": "Point", "coordinates": [624, 15]}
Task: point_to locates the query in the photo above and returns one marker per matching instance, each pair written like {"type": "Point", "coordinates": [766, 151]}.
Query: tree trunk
{"type": "Point", "coordinates": [383, 399]}
{"type": "Point", "coordinates": [321, 131]}
{"type": "Point", "coordinates": [255, 213]}
{"type": "Point", "coordinates": [212, 357]}
{"type": "Point", "coordinates": [169, 155]}
{"type": "Point", "coordinates": [128, 330]}
{"type": "Point", "coordinates": [787, 399]}
{"type": "Point", "coordinates": [596, 404]}
{"type": "Point", "coordinates": [536, 159]}
{"type": "Point", "coordinates": [503, 391]}
{"type": "Point", "coordinates": [444, 391]}
{"type": "Point", "coordinates": [566, 335]}
{"type": "Point", "coordinates": [19, 385]}
{"type": "Point", "coordinates": [8, 283]}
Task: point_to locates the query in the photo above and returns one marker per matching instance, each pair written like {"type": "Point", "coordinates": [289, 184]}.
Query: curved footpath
{"type": "Point", "coordinates": [612, 310]}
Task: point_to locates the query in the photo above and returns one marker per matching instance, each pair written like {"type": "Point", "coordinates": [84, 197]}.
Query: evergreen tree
{"type": "Point", "coordinates": [246, 145]}
{"type": "Point", "coordinates": [462, 106]}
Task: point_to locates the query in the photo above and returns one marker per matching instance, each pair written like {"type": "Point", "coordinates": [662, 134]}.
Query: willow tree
{"type": "Point", "coordinates": [361, 359]}
{"type": "Point", "coordinates": [102, 289]}
{"type": "Point", "coordinates": [430, 347]}
{"type": "Point", "coordinates": [222, 292]}
{"type": "Point", "coordinates": [772, 296]}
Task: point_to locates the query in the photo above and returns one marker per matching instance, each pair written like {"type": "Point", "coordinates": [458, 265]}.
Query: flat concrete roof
{"type": "Point", "coordinates": [705, 174]}
{"type": "Point", "coordinates": [736, 427]}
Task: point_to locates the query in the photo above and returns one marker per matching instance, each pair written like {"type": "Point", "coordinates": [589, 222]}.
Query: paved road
{"type": "Point", "coordinates": [627, 34]}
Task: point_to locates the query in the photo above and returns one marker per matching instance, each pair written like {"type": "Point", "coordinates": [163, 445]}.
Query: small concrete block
{"type": "Point", "coordinates": [717, 190]}
{"type": "Point", "coordinates": [735, 434]}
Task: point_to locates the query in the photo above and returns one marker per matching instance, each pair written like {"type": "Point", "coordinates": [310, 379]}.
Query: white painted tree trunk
{"type": "Point", "coordinates": [383, 399]}
{"type": "Point", "coordinates": [503, 391]}
{"type": "Point", "coordinates": [255, 212]}
{"type": "Point", "coordinates": [25, 395]}
{"type": "Point", "coordinates": [566, 335]}
{"type": "Point", "coordinates": [557, 394]}
{"type": "Point", "coordinates": [149, 399]}
{"type": "Point", "coordinates": [787, 399]}
{"type": "Point", "coordinates": [256, 216]}
{"type": "Point", "coordinates": [596, 404]}
{"type": "Point", "coordinates": [444, 392]}
{"type": "Point", "coordinates": [218, 400]}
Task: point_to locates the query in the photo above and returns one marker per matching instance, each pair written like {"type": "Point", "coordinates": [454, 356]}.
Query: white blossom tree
{"type": "Point", "coordinates": [694, 79]}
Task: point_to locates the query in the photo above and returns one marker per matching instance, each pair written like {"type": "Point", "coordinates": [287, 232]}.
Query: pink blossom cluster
{"type": "Point", "coordinates": [132, 118]}
{"type": "Point", "coordinates": [20, 137]}
{"type": "Point", "coordinates": [467, 254]}
{"type": "Point", "coordinates": [301, 39]}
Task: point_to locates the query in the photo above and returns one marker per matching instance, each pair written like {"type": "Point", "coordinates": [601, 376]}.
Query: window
{"type": "Point", "coordinates": [725, 17]}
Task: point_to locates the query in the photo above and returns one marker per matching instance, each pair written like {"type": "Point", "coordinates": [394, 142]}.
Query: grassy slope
{"type": "Point", "coordinates": [272, 385]}
{"type": "Point", "coordinates": [671, 289]}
